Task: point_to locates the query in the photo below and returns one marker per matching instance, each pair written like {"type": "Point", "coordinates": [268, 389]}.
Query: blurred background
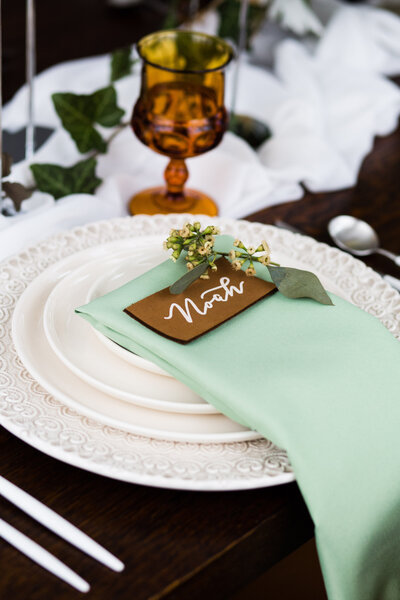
{"type": "Point", "coordinates": [77, 28]}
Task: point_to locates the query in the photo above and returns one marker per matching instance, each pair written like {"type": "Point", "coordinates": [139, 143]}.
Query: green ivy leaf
{"type": "Point", "coordinates": [62, 181]}
{"type": "Point", "coordinates": [121, 63]}
{"type": "Point", "coordinates": [172, 19]}
{"type": "Point", "coordinates": [180, 286]}
{"type": "Point", "coordinates": [79, 113]}
{"type": "Point", "coordinates": [16, 192]}
{"type": "Point", "coordinates": [253, 131]}
{"type": "Point", "coordinates": [295, 283]}
{"type": "Point", "coordinates": [229, 19]}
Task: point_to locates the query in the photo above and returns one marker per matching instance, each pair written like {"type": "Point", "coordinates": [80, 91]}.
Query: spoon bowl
{"type": "Point", "coordinates": [353, 235]}
{"type": "Point", "coordinates": [357, 237]}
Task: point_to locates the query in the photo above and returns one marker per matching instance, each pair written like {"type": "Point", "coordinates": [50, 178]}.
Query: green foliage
{"type": "Point", "coordinates": [253, 131]}
{"type": "Point", "coordinates": [121, 63]}
{"type": "Point", "coordinates": [79, 113]}
{"type": "Point", "coordinates": [172, 19]}
{"type": "Point", "coordinates": [229, 19]}
{"type": "Point", "coordinates": [188, 278]}
{"type": "Point", "coordinates": [62, 181]}
{"type": "Point", "coordinates": [295, 283]}
{"type": "Point", "coordinates": [198, 245]}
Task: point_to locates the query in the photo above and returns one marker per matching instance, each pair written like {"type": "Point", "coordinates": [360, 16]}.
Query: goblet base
{"type": "Point", "coordinates": [157, 201]}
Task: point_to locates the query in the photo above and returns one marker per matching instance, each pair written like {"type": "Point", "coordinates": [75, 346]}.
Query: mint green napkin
{"type": "Point", "coordinates": [322, 382]}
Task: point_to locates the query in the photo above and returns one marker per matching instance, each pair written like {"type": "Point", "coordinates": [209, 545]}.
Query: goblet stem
{"type": "Point", "coordinates": [173, 198]}
{"type": "Point", "coordinates": [176, 175]}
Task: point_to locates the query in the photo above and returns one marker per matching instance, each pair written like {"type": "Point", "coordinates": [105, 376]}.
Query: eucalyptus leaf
{"type": "Point", "coordinates": [79, 113]}
{"type": "Point", "coordinates": [6, 162]}
{"type": "Point", "coordinates": [62, 181]}
{"type": "Point", "coordinates": [121, 63]}
{"type": "Point", "coordinates": [16, 192]}
{"type": "Point", "coordinates": [180, 286]}
{"type": "Point", "coordinates": [295, 283]}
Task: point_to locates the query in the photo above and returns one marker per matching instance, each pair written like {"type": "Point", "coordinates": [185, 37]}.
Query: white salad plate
{"type": "Point", "coordinates": [35, 352]}
{"type": "Point", "coordinates": [76, 344]}
{"type": "Point", "coordinates": [33, 413]}
{"type": "Point", "coordinates": [105, 283]}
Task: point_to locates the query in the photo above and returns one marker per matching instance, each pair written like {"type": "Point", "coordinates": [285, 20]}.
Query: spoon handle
{"type": "Point", "coordinates": [390, 255]}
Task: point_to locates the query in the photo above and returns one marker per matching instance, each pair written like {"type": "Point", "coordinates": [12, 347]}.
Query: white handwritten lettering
{"type": "Point", "coordinates": [208, 304]}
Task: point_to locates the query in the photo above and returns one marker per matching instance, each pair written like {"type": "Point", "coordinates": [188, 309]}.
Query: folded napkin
{"type": "Point", "coordinates": [323, 382]}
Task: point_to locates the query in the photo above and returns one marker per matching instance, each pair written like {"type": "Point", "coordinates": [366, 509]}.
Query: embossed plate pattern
{"type": "Point", "coordinates": [32, 414]}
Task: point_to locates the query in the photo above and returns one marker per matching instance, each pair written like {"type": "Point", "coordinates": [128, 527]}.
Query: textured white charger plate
{"type": "Point", "coordinates": [32, 414]}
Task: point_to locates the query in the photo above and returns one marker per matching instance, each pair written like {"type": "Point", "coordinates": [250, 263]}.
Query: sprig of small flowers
{"type": "Point", "coordinates": [241, 255]}
{"type": "Point", "coordinates": [201, 259]}
{"type": "Point", "coordinates": [199, 245]}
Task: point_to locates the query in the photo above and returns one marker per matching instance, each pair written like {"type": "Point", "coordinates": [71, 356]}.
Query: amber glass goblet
{"type": "Point", "coordinates": [180, 112]}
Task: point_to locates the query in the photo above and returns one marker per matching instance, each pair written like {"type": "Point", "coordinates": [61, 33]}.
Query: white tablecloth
{"type": "Point", "coordinates": [324, 108]}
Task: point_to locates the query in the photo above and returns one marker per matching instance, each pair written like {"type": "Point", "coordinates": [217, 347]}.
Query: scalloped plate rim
{"type": "Point", "coordinates": [121, 227]}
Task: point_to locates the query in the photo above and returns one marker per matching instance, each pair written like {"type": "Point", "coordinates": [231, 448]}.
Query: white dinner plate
{"type": "Point", "coordinates": [40, 360]}
{"type": "Point", "coordinates": [33, 414]}
{"type": "Point", "coordinates": [75, 343]}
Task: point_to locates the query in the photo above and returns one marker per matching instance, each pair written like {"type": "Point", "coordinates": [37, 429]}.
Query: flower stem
{"type": "Point", "coordinates": [248, 258]}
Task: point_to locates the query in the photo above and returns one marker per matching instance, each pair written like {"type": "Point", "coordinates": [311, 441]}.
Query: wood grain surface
{"type": "Point", "coordinates": [175, 544]}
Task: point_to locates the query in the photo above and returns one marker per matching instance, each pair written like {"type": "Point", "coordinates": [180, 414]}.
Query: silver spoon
{"type": "Point", "coordinates": [357, 237]}
{"type": "Point", "coordinates": [393, 281]}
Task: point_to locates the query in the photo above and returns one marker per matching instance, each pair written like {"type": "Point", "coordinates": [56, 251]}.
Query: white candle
{"type": "Point", "coordinates": [30, 75]}
{"type": "Point", "coordinates": [194, 6]}
{"type": "Point", "coordinates": [244, 7]}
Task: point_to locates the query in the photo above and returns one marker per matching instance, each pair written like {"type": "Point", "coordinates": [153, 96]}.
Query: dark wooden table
{"type": "Point", "coordinates": [184, 544]}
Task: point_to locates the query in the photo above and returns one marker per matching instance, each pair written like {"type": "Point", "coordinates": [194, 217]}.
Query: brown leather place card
{"type": "Point", "coordinates": [204, 305]}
